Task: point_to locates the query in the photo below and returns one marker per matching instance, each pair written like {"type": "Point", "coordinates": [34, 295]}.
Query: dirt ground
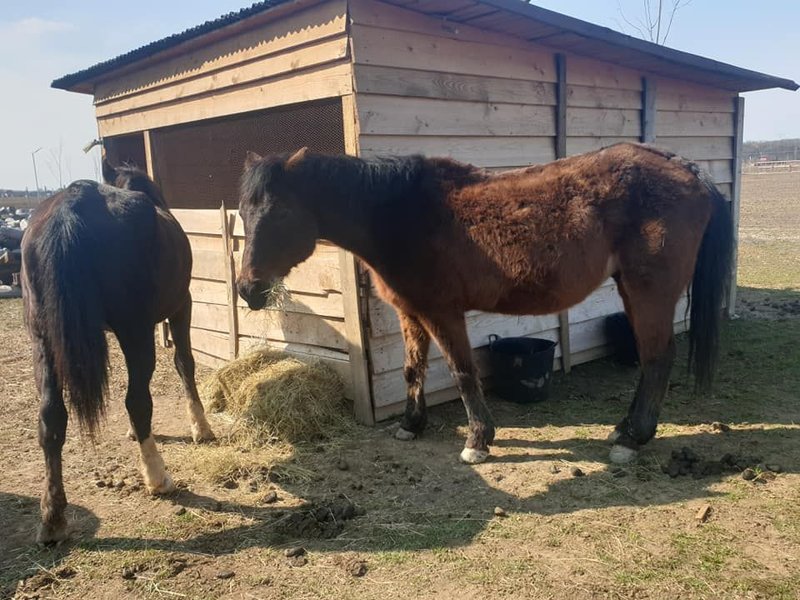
{"type": "Point", "coordinates": [383, 519]}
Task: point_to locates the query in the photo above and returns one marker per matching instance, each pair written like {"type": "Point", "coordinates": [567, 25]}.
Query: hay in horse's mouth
{"type": "Point", "coordinates": [277, 294]}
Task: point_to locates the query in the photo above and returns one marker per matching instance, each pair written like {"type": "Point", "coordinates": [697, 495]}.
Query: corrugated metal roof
{"type": "Point", "coordinates": [511, 17]}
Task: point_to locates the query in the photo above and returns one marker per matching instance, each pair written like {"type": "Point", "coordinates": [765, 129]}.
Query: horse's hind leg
{"type": "Point", "coordinates": [52, 434]}
{"type": "Point", "coordinates": [138, 345]}
{"type": "Point", "coordinates": [179, 325]}
{"type": "Point", "coordinates": [417, 342]}
{"type": "Point", "coordinates": [450, 332]}
{"type": "Point", "coordinates": [651, 315]}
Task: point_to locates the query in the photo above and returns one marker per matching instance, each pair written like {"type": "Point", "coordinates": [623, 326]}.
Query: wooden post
{"type": "Point", "coordinates": [561, 152]}
{"type": "Point", "coordinates": [162, 328]}
{"type": "Point", "coordinates": [230, 284]}
{"type": "Point", "coordinates": [648, 110]}
{"type": "Point", "coordinates": [736, 189]}
{"type": "Point", "coordinates": [355, 296]}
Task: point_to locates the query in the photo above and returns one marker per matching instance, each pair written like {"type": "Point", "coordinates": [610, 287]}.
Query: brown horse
{"type": "Point", "coordinates": [442, 238]}
{"type": "Point", "coordinates": [98, 258]}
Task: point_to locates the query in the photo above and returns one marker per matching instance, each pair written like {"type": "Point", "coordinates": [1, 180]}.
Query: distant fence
{"type": "Point", "coordinates": [771, 166]}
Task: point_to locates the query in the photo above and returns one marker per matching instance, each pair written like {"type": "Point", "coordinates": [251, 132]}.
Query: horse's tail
{"type": "Point", "coordinates": [710, 284]}
{"type": "Point", "coordinates": [66, 311]}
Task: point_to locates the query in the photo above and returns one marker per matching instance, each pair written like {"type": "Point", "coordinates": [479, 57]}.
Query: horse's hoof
{"type": "Point", "coordinates": [471, 456]}
{"type": "Point", "coordinates": [613, 436]}
{"type": "Point", "coordinates": [131, 435]}
{"type": "Point", "coordinates": [166, 486]}
{"type": "Point", "coordinates": [404, 435]}
{"type": "Point", "coordinates": [202, 433]}
{"type": "Point", "coordinates": [622, 454]}
{"type": "Point", "coordinates": [49, 535]}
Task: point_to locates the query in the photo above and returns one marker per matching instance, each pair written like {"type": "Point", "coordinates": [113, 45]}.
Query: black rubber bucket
{"type": "Point", "coordinates": [521, 368]}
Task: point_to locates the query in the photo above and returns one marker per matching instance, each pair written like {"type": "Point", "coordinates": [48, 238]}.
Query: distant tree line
{"type": "Point", "coordinates": [771, 150]}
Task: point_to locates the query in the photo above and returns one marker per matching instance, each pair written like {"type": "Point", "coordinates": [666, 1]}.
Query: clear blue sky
{"type": "Point", "coordinates": [44, 39]}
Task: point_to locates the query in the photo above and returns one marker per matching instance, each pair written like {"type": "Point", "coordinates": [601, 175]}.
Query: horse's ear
{"type": "Point", "coordinates": [251, 159]}
{"type": "Point", "coordinates": [296, 158]}
{"type": "Point", "coordinates": [109, 172]}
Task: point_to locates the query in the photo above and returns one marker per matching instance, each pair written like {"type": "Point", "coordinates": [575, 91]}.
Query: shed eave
{"type": "Point", "coordinates": [664, 60]}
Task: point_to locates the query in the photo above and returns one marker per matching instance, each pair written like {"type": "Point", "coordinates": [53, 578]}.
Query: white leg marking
{"type": "Point", "coordinates": [156, 477]}
{"type": "Point", "coordinates": [622, 454]}
{"type": "Point", "coordinates": [201, 430]}
{"type": "Point", "coordinates": [473, 457]}
{"type": "Point", "coordinates": [613, 436]}
{"type": "Point", "coordinates": [404, 435]}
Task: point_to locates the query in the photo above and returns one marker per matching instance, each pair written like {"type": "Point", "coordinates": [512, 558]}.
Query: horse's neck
{"type": "Point", "coordinates": [344, 195]}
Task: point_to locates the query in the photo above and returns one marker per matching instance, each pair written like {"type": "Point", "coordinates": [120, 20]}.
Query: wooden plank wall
{"type": "Point", "coordinates": [311, 323]}
{"type": "Point", "coordinates": [698, 123]}
{"type": "Point", "coordinates": [423, 85]}
{"type": "Point", "coordinates": [293, 57]}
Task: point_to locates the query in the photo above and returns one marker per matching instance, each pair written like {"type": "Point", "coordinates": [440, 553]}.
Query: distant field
{"type": "Point", "coordinates": [769, 231]}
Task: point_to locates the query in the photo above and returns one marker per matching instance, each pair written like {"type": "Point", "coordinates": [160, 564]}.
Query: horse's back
{"type": "Point", "coordinates": [112, 232]}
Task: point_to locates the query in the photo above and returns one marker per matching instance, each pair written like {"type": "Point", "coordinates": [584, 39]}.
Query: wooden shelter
{"type": "Point", "coordinates": [498, 83]}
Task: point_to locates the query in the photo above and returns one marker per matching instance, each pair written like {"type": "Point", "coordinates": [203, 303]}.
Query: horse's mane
{"type": "Point", "coordinates": [131, 177]}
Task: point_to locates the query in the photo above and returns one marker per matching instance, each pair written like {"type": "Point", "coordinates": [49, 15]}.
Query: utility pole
{"type": "Point", "coordinates": [35, 175]}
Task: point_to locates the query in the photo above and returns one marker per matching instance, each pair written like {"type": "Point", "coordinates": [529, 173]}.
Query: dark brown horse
{"type": "Point", "coordinates": [98, 258]}
{"type": "Point", "coordinates": [442, 238]}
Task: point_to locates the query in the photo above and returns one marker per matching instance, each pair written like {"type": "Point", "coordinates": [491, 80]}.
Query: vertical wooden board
{"type": "Point", "coordinates": [648, 110]}
{"type": "Point", "coordinates": [230, 283]}
{"type": "Point", "coordinates": [561, 152]}
{"type": "Point", "coordinates": [357, 343]}
{"type": "Point", "coordinates": [736, 189]}
{"type": "Point", "coordinates": [354, 297]}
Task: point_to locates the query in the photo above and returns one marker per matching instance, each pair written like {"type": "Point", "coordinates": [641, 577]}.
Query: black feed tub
{"type": "Point", "coordinates": [521, 368]}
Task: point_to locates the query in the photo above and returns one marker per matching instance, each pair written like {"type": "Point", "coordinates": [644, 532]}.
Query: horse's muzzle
{"type": "Point", "coordinates": [253, 292]}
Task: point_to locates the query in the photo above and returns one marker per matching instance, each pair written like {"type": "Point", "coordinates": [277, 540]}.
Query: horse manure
{"type": "Point", "coordinates": [293, 551]}
{"type": "Point", "coordinates": [356, 567]}
{"type": "Point", "coordinates": [749, 474]}
{"type": "Point", "coordinates": [179, 511]}
{"type": "Point", "coordinates": [576, 472]}
{"type": "Point", "coordinates": [500, 512]}
{"type": "Point", "coordinates": [722, 427]}
{"type": "Point", "coordinates": [322, 520]}
{"type": "Point", "coordinates": [269, 498]}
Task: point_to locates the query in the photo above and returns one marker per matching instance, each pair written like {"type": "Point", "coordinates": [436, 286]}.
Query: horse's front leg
{"type": "Point", "coordinates": [450, 332]}
{"type": "Point", "coordinates": [417, 342]}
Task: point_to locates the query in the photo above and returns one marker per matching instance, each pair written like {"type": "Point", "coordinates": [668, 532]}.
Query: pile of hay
{"type": "Point", "coordinates": [287, 399]}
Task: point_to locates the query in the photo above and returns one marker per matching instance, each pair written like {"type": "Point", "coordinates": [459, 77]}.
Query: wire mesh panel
{"type": "Point", "coordinates": [126, 149]}
{"type": "Point", "coordinates": [199, 164]}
